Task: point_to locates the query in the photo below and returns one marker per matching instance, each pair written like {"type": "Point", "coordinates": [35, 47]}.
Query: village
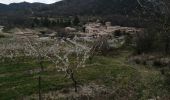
{"type": "Point", "coordinates": [89, 32]}
{"type": "Point", "coordinates": [89, 29]}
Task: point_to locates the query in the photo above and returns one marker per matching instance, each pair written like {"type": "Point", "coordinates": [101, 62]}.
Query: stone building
{"type": "Point", "coordinates": [98, 28]}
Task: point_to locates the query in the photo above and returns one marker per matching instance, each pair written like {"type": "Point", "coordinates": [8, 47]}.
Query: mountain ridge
{"type": "Point", "coordinates": [74, 7]}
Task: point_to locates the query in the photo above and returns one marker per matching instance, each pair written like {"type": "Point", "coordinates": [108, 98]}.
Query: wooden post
{"type": "Point", "coordinates": [39, 88]}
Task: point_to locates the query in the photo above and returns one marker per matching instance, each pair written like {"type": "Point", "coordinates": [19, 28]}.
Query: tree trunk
{"type": "Point", "coordinates": [40, 60]}
{"type": "Point", "coordinates": [74, 81]}
{"type": "Point", "coordinates": [41, 65]}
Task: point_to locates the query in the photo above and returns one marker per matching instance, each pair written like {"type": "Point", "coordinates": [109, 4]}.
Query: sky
{"type": "Point", "coordinates": [16, 1]}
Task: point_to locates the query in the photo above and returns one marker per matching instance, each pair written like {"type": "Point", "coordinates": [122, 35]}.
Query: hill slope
{"type": "Point", "coordinates": [91, 7]}
{"type": "Point", "coordinates": [72, 7]}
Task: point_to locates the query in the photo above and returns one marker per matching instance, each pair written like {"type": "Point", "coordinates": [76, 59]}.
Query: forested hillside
{"type": "Point", "coordinates": [22, 13]}
{"type": "Point", "coordinates": [72, 7]}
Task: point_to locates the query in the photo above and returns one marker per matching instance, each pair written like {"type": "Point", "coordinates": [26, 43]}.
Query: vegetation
{"type": "Point", "coordinates": [21, 14]}
{"type": "Point", "coordinates": [2, 35]}
{"type": "Point", "coordinates": [155, 38]}
{"type": "Point", "coordinates": [20, 80]}
{"type": "Point", "coordinates": [72, 67]}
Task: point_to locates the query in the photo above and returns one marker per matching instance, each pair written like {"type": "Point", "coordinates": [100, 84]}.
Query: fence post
{"type": "Point", "coordinates": [39, 88]}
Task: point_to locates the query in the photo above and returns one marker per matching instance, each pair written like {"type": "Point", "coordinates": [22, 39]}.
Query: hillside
{"type": "Point", "coordinates": [20, 8]}
{"type": "Point", "coordinates": [72, 7]}
{"type": "Point", "coordinates": [92, 7]}
{"type": "Point", "coordinates": [127, 10]}
{"type": "Point", "coordinates": [82, 7]}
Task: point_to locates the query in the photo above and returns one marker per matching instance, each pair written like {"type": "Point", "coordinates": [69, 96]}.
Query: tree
{"type": "Point", "coordinates": [53, 23]}
{"type": "Point", "coordinates": [144, 42]}
{"type": "Point", "coordinates": [76, 21]}
{"type": "Point", "coordinates": [38, 49]}
{"type": "Point", "coordinates": [101, 46]}
{"type": "Point", "coordinates": [36, 22]}
{"type": "Point", "coordinates": [68, 58]}
{"type": "Point", "coordinates": [156, 37]}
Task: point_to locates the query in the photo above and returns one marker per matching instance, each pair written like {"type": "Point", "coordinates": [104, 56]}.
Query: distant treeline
{"type": "Point", "coordinates": [33, 22]}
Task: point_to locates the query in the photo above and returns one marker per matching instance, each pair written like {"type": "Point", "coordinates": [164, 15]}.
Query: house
{"type": "Point", "coordinates": [94, 28]}
{"type": "Point", "coordinates": [108, 24]}
{"type": "Point", "coordinates": [1, 28]}
{"type": "Point", "coordinates": [47, 34]}
{"type": "Point", "coordinates": [99, 29]}
{"type": "Point", "coordinates": [26, 34]}
{"type": "Point", "coordinates": [52, 35]}
{"type": "Point", "coordinates": [70, 29]}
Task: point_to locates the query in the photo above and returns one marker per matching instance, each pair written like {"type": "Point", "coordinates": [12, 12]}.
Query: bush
{"type": "Point", "coordinates": [144, 43]}
{"type": "Point", "coordinates": [157, 63]}
{"type": "Point", "coordinates": [2, 36]}
{"type": "Point", "coordinates": [117, 33]}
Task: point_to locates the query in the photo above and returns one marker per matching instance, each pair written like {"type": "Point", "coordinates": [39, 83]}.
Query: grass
{"type": "Point", "coordinates": [16, 82]}
{"type": "Point", "coordinates": [113, 72]}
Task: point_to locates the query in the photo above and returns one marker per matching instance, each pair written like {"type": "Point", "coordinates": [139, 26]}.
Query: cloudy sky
{"type": "Point", "coordinates": [16, 1]}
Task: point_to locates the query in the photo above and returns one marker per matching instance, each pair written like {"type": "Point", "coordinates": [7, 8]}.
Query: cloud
{"type": "Point", "coordinates": [16, 1]}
